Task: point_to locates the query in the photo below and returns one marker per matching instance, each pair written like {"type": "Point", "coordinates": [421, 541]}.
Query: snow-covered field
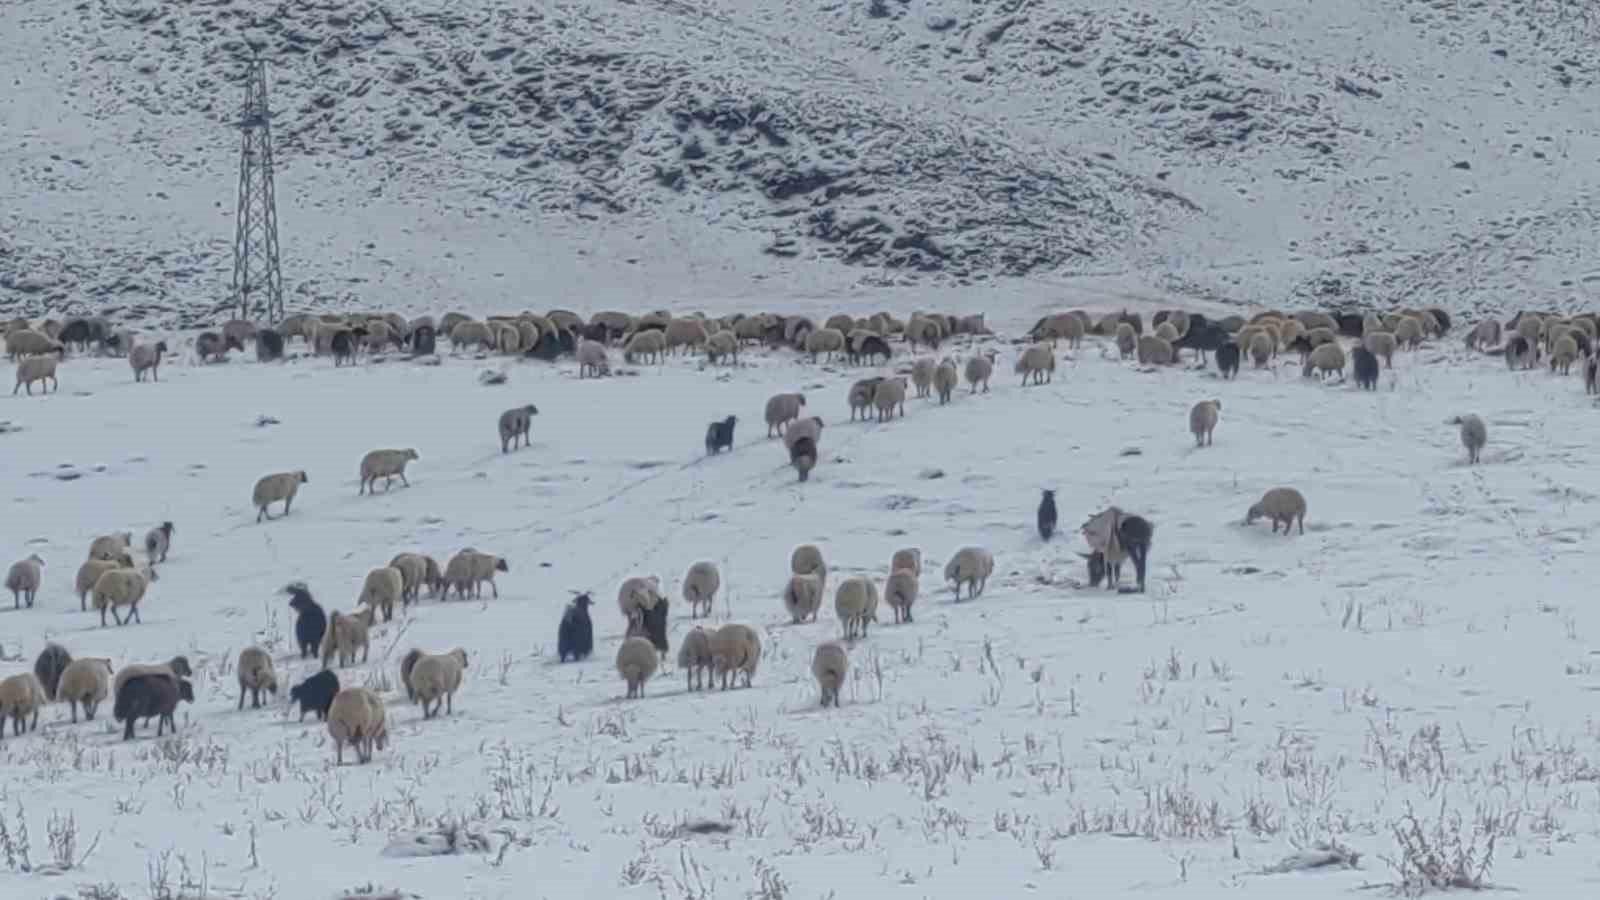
{"type": "Point", "coordinates": [1423, 647]}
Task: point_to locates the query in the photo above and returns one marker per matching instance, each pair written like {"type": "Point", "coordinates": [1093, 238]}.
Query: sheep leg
{"type": "Point", "coordinates": [286, 502]}
{"type": "Point", "coordinates": [74, 704]}
{"type": "Point", "coordinates": [241, 696]}
{"type": "Point", "coordinates": [494, 588]}
{"type": "Point", "coordinates": [133, 615]}
{"type": "Point", "coordinates": [114, 616]}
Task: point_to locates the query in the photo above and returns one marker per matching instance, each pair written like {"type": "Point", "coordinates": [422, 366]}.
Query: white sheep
{"type": "Point", "coordinates": [783, 409]}
{"type": "Point", "coordinates": [356, 717]}
{"type": "Point", "coordinates": [382, 588]}
{"type": "Point", "coordinates": [735, 649]}
{"type": "Point", "coordinates": [889, 394]}
{"type": "Point", "coordinates": [435, 679]}
{"type": "Point", "coordinates": [1380, 344]}
{"type": "Point", "coordinates": [979, 368]}
{"type": "Point", "coordinates": [700, 586]}
{"type": "Point", "coordinates": [859, 397]}
{"type": "Point", "coordinates": [1283, 506]}
{"type": "Point", "coordinates": [1038, 363]}
{"type": "Point", "coordinates": [1153, 351]}
{"type": "Point", "coordinates": [855, 602]}
{"type": "Point", "coordinates": [638, 595]}
{"type": "Point", "coordinates": [1564, 351]}
{"type": "Point", "coordinates": [86, 682]}
{"type": "Point", "coordinates": [157, 542]}
{"type": "Point", "coordinates": [255, 676]}
{"type": "Point", "coordinates": [346, 633]}
{"type": "Point", "coordinates": [1484, 335]}
{"type": "Point", "coordinates": [24, 579]}
{"type": "Point", "coordinates": [1203, 420]}
{"type": "Point", "coordinates": [1474, 434]}
{"type": "Point", "coordinates": [413, 569]}
{"type": "Point", "coordinates": [807, 560]}
{"type": "Point", "coordinates": [971, 566]}
{"type": "Point", "coordinates": [592, 359]}
{"type": "Point", "coordinates": [722, 346]}
{"type": "Point", "coordinates": [636, 662]}
{"type": "Point", "coordinates": [470, 333]}
{"type": "Point", "coordinates": [21, 696]}
{"type": "Point", "coordinates": [469, 569]}
{"type": "Point", "coordinates": [122, 587]}
{"type": "Point", "coordinates": [644, 344]}
{"type": "Point", "coordinates": [110, 546]}
{"type": "Point", "coordinates": [829, 665]}
{"type": "Point", "coordinates": [945, 380]}
{"type": "Point", "coordinates": [515, 423]}
{"type": "Point", "coordinates": [685, 333]}
{"type": "Point", "coordinates": [694, 657]}
{"type": "Point", "coordinates": [922, 375]}
{"type": "Point", "coordinates": [90, 572]}
{"type": "Point", "coordinates": [37, 368]}
{"type": "Point", "coordinates": [1323, 359]}
{"type": "Point", "coordinates": [1408, 332]}
{"type": "Point", "coordinates": [144, 358]}
{"type": "Point", "coordinates": [271, 489]}
{"type": "Point", "coordinates": [802, 597]}
{"type": "Point", "coordinates": [385, 464]}
{"type": "Point", "coordinates": [1261, 348]}
{"type": "Point", "coordinates": [824, 340]}
{"type": "Point", "coordinates": [906, 558]}
{"type": "Point", "coordinates": [900, 592]}
{"type": "Point", "coordinates": [23, 342]}
{"type": "Point", "coordinates": [1166, 331]}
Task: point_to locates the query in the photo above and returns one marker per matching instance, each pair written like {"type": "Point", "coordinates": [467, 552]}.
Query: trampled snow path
{"type": "Point", "coordinates": [1426, 642]}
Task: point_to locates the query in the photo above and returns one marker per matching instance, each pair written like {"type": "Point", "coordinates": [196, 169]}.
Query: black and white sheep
{"type": "Point", "coordinates": [652, 624]}
{"type": "Point", "coordinates": [1113, 536]}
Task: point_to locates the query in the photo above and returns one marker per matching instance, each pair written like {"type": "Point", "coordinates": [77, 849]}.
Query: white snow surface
{"type": "Point", "coordinates": [1425, 645]}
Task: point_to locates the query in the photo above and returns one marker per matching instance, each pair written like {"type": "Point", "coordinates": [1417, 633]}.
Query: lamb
{"type": "Point", "coordinates": [516, 423]}
{"type": "Point", "coordinates": [945, 380]}
{"type": "Point", "coordinates": [1203, 421]}
{"type": "Point", "coordinates": [1381, 344]}
{"type": "Point", "coordinates": [173, 669]}
{"type": "Point", "coordinates": [802, 596]}
{"type": "Point", "coordinates": [146, 358]}
{"type": "Point", "coordinates": [803, 456]}
{"type": "Point", "coordinates": [144, 696]}
{"type": "Point", "coordinates": [807, 560]}
{"type": "Point", "coordinates": [592, 359]}
{"type": "Point", "coordinates": [638, 595]}
{"type": "Point", "coordinates": [1153, 351]}
{"type": "Point", "coordinates": [1228, 360]}
{"type": "Point", "coordinates": [382, 588]}
{"type": "Point", "coordinates": [356, 717]}
{"type": "Point", "coordinates": [645, 344]}
{"type": "Point", "coordinates": [890, 393]}
{"type": "Point", "coordinates": [575, 637]}
{"type": "Point", "coordinates": [860, 397]}
{"type": "Point", "coordinates": [1038, 363]}
{"type": "Point", "coordinates": [1283, 505]}
{"type": "Point", "coordinates": [901, 593]}
{"type": "Point", "coordinates": [1366, 365]}
{"type": "Point", "coordinates": [24, 579]}
{"type": "Point", "coordinates": [310, 624]}
{"type": "Point", "coordinates": [49, 665]}
{"type": "Point", "coordinates": [157, 541]}
{"type": "Point", "coordinates": [86, 682]}
{"type": "Point", "coordinates": [700, 586]}
{"type": "Point", "coordinates": [470, 569]}
{"type": "Point", "coordinates": [122, 587]}
{"type": "Point", "coordinates": [979, 368]}
{"type": "Point", "coordinates": [315, 694]}
{"type": "Point", "coordinates": [719, 435]}
{"type": "Point", "coordinates": [38, 368]}
{"type": "Point", "coordinates": [469, 333]}
{"type": "Point", "coordinates": [829, 665]}
{"type": "Point", "coordinates": [1323, 359]}
{"type": "Point", "coordinates": [389, 465]}
{"type": "Point", "coordinates": [781, 410]}
{"type": "Point", "coordinates": [255, 676]}
{"type": "Point", "coordinates": [346, 633]}
{"type": "Point", "coordinates": [1474, 434]}
{"type": "Point", "coordinates": [636, 662]}
{"type": "Point", "coordinates": [735, 649]}
{"type": "Point", "coordinates": [856, 604]}
{"type": "Point", "coordinates": [21, 696]}
{"type": "Point", "coordinates": [272, 488]}
{"type": "Point", "coordinates": [435, 678]}
{"type": "Point", "coordinates": [971, 566]}
{"type": "Point", "coordinates": [694, 658]}
{"type": "Point", "coordinates": [213, 347]}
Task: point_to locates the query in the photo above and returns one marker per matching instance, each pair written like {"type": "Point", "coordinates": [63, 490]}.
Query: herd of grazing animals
{"type": "Point", "coordinates": [357, 716]}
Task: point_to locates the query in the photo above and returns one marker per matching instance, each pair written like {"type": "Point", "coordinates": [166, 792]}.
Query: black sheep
{"type": "Point", "coordinates": [1228, 359]}
{"type": "Point", "coordinates": [719, 435]}
{"type": "Point", "coordinates": [52, 661]}
{"type": "Point", "coordinates": [803, 456]}
{"type": "Point", "coordinates": [596, 331]}
{"type": "Point", "coordinates": [312, 622]}
{"type": "Point", "coordinates": [1134, 533]}
{"type": "Point", "coordinates": [568, 339]}
{"type": "Point", "coordinates": [143, 696]}
{"type": "Point", "coordinates": [1351, 324]}
{"type": "Point", "coordinates": [653, 625]}
{"type": "Point", "coordinates": [1202, 336]}
{"type": "Point", "coordinates": [575, 639]}
{"type": "Point", "coordinates": [548, 348]}
{"type": "Point", "coordinates": [316, 694]}
{"type": "Point", "coordinates": [269, 345]}
{"type": "Point", "coordinates": [1047, 515]}
{"type": "Point", "coordinates": [345, 343]}
{"type": "Point", "coordinates": [1366, 366]}
{"type": "Point", "coordinates": [82, 332]}
{"type": "Point", "coordinates": [423, 341]}
{"type": "Point", "coordinates": [1442, 316]}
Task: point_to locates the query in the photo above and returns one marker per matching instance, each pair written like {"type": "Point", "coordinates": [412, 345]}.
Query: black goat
{"type": "Point", "coordinates": [316, 694]}
{"type": "Point", "coordinates": [1366, 366]}
{"type": "Point", "coordinates": [269, 345]}
{"type": "Point", "coordinates": [719, 435]}
{"type": "Point", "coordinates": [1228, 359]}
{"type": "Point", "coordinates": [575, 638]}
{"type": "Point", "coordinates": [1047, 515]}
{"type": "Point", "coordinates": [312, 622]}
{"type": "Point", "coordinates": [143, 696]}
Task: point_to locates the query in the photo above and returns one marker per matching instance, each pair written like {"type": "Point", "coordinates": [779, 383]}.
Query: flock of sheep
{"type": "Point", "coordinates": [356, 715]}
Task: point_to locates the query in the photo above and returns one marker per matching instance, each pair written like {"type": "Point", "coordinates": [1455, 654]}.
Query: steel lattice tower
{"type": "Point", "coordinates": [257, 281]}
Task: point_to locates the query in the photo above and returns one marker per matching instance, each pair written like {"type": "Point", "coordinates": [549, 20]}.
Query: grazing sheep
{"type": "Point", "coordinates": [694, 658]}
{"type": "Point", "coordinates": [592, 359]}
{"type": "Point", "coordinates": [1323, 359]}
{"type": "Point", "coordinates": [24, 579]}
{"type": "Point", "coordinates": [900, 592]}
{"type": "Point", "coordinates": [84, 682]}
{"type": "Point", "coordinates": [700, 586]}
{"type": "Point", "coordinates": [802, 597]}
{"type": "Point", "coordinates": [173, 669]}
{"type": "Point", "coordinates": [735, 649]}
{"type": "Point", "coordinates": [636, 662]}
{"type": "Point", "coordinates": [272, 488]}
{"type": "Point", "coordinates": [1153, 351]}
{"type": "Point", "coordinates": [1565, 352]}
{"type": "Point", "coordinates": [157, 541]}
{"type": "Point", "coordinates": [807, 559]}
{"type": "Point", "coordinates": [1484, 335]}
{"type": "Point", "coordinates": [146, 358]}
{"type": "Point", "coordinates": [645, 344]}
{"type": "Point", "coordinates": [652, 624]}
{"type": "Point", "coordinates": [945, 380]}
{"type": "Point", "coordinates": [1365, 364]}
{"type": "Point", "coordinates": [347, 632]}
{"type": "Point", "coordinates": [829, 665]}
{"type": "Point", "coordinates": [470, 569]}
{"type": "Point", "coordinates": [889, 394]}
{"type": "Point", "coordinates": [515, 423]}
{"type": "Point", "coordinates": [1047, 515]}
{"type": "Point", "coordinates": [1038, 362]}
{"type": "Point", "coordinates": [722, 346]}
{"type": "Point", "coordinates": [1261, 349]}
{"type": "Point", "coordinates": [315, 694]}
{"type": "Point", "coordinates": [31, 343]}
{"type": "Point", "coordinates": [389, 465]}
{"type": "Point", "coordinates": [1408, 332]}
{"type": "Point", "coordinates": [575, 637]}
{"type": "Point", "coordinates": [310, 624]}
{"type": "Point", "coordinates": [1530, 327]}
{"type": "Point", "coordinates": [1203, 421]}
{"type": "Point", "coordinates": [1283, 506]}
{"type": "Point", "coordinates": [21, 696]}
{"type": "Point", "coordinates": [49, 665]}
{"type": "Point", "coordinates": [356, 717]}
{"type": "Point", "coordinates": [1053, 328]}
{"type": "Point", "coordinates": [803, 456]}
{"type": "Point", "coordinates": [435, 679]}
{"type": "Point", "coordinates": [213, 347]}
{"type": "Point", "coordinates": [856, 604]}
{"type": "Point", "coordinates": [1474, 434]}
{"type": "Point", "coordinates": [37, 368]}
{"type": "Point", "coordinates": [145, 696]}
{"type": "Point", "coordinates": [255, 676]}
{"type": "Point", "coordinates": [1380, 344]}
{"type": "Point", "coordinates": [122, 587]}
{"type": "Point", "coordinates": [637, 596]}
{"type": "Point", "coordinates": [971, 566]}
{"type": "Point", "coordinates": [979, 369]}
{"type": "Point", "coordinates": [719, 435]}
{"type": "Point", "coordinates": [860, 396]}
{"type": "Point", "coordinates": [381, 589]}
{"type": "Point", "coordinates": [111, 546]}
{"type": "Point", "coordinates": [469, 333]}
{"type": "Point", "coordinates": [685, 333]}
{"type": "Point", "coordinates": [781, 410]}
